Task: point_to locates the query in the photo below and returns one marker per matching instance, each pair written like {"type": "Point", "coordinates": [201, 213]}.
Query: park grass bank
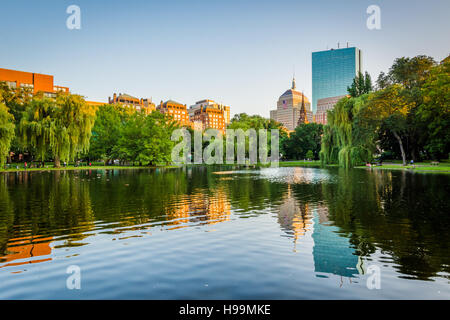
{"type": "Point", "coordinates": [424, 167]}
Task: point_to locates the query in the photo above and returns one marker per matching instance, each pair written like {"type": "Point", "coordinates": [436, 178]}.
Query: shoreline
{"type": "Point", "coordinates": [305, 164]}
{"type": "Point", "coordinates": [418, 169]}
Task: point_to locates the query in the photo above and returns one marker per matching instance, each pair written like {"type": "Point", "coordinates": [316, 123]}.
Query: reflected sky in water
{"type": "Point", "coordinates": [216, 233]}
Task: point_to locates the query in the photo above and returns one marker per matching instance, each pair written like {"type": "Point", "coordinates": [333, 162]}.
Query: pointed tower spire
{"type": "Point", "coordinates": [293, 82]}
{"type": "Point", "coordinates": [303, 116]}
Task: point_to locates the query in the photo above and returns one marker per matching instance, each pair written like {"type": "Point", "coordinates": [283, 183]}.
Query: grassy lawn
{"type": "Point", "coordinates": [442, 167]}
{"type": "Point", "coordinates": [300, 163]}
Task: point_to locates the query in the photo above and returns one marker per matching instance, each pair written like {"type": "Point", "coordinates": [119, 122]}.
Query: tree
{"type": "Point", "coordinates": [409, 114]}
{"type": "Point", "coordinates": [62, 126]}
{"type": "Point", "coordinates": [146, 139]}
{"type": "Point", "coordinates": [36, 127]}
{"type": "Point", "coordinates": [6, 132]}
{"type": "Point", "coordinates": [74, 122]}
{"type": "Point", "coordinates": [16, 101]}
{"type": "Point", "coordinates": [361, 84]}
{"type": "Point", "coordinates": [305, 138]}
{"type": "Point", "coordinates": [389, 107]}
{"type": "Point", "coordinates": [435, 110]}
{"type": "Point", "coordinates": [309, 155]}
{"type": "Point", "coordinates": [106, 131]}
{"type": "Point", "coordinates": [347, 139]}
{"type": "Point", "coordinates": [244, 121]}
{"type": "Point", "coordinates": [411, 74]}
{"type": "Point", "coordinates": [383, 81]}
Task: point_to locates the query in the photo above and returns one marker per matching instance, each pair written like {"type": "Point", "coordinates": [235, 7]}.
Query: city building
{"type": "Point", "coordinates": [35, 82]}
{"type": "Point", "coordinates": [177, 110]}
{"type": "Point", "coordinates": [207, 114]}
{"type": "Point", "coordinates": [144, 105]}
{"type": "Point", "coordinates": [333, 71]}
{"type": "Point", "coordinates": [293, 108]}
{"type": "Point", "coordinates": [95, 103]}
{"type": "Point", "coordinates": [323, 105]}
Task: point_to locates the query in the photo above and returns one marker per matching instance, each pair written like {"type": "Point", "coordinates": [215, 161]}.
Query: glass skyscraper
{"type": "Point", "coordinates": [333, 71]}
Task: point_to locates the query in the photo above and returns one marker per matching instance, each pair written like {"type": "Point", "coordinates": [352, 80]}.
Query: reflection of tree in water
{"type": "Point", "coordinates": [6, 215]}
{"type": "Point", "coordinates": [46, 206]}
{"type": "Point", "coordinates": [405, 215]}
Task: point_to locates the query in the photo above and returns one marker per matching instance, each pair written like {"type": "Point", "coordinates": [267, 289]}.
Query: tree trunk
{"type": "Point", "coordinates": [401, 146]}
{"type": "Point", "coordinates": [413, 154]}
{"type": "Point", "coordinates": [57, 162]}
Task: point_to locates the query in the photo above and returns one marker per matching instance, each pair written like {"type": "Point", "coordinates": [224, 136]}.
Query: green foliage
{"type": "Point", "coordinates": [383, 81]}
{"type": "Point", "coordinates": [106, 131]}
{"type": "Point", "coordinates": [409, 114]}
{"type": "Point", "coordinates": [37, 126]}
{"type": "Point", "coordinates": [146, 139]}
{"type": "Point", "coordinates": [245, 122]}
{"type": "Point", "coordinates": [347, 139]}
{"type": "Point", "coordinates": [16, 101]}
{"type": "Point", "coordinates": [6, 132]}
{"type": "Point", "coordinates": [435, 110]}
{"type": "Point", "coordinates": [61, 126]}
{"type": "Point", "coordinates": [306, 138]}
{"type": "Point", "coordinates": [390, 108]}
{"type": "Point", "coordinates": [411, 72]}
{"type": "Point", "coordinates": [361, 84]}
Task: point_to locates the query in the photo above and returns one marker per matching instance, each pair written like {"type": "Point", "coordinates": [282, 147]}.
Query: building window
{"type": "Point", "coordinates": [27, 85]}
{"type": "Point", "coordinates": [11, 84]}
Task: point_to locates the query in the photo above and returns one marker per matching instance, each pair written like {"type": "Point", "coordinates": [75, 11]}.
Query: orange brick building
{"type": "Point", "coordinates": [210, 118]}
{"type": "Point", "coordinates": [36, 82]}
{"type": "Point", "coordinates": [209, 114]}
{"type": "Point", "coordinates": [145, 105]}
{"type": "Point", "coordinates": [177, 110]}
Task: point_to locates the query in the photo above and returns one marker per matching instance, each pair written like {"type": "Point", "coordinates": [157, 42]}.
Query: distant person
{"type": "Point", "coordinates": [25, 165]}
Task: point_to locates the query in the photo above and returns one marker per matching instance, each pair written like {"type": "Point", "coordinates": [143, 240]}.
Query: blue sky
{"type": "Point", "coordinates": [241, 53]}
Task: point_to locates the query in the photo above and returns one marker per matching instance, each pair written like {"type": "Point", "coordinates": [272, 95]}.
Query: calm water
{"type": "Point", "coordinates": [211, 233]}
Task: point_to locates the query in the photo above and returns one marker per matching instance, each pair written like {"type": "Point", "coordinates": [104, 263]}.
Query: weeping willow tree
{"type": "Point", "coordinates": [37, 125]}
{"type": "Point", "coordinates": [61, 126]}
{"type": "Point", "coordinates": [74, 121]}
{"type": "Point", "coordinates": [6, 132]}
{"type": "Point", "coordinates": [347, 140]}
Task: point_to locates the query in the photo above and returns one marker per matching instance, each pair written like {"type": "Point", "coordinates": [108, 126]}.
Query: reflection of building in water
{"type": "Point", "coordinates": [23, 248]}
{"type": "Point", "coordinates": [332, 252]}
{"type": "Point", "coordinates": [293, 216]}
{"type": "Point", "coordinates": [200, 207]}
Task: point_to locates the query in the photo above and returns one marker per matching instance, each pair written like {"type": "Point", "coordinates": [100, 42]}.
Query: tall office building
{"type": "Point", "coordinates": [333, 71]}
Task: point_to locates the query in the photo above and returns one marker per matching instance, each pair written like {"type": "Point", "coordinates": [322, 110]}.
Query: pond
{"type": "Point", "coordinates": [206, 232]}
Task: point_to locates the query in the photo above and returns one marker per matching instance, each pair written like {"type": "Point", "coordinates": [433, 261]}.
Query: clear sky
{"type": "Point", "coordinates": [241, 53]}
